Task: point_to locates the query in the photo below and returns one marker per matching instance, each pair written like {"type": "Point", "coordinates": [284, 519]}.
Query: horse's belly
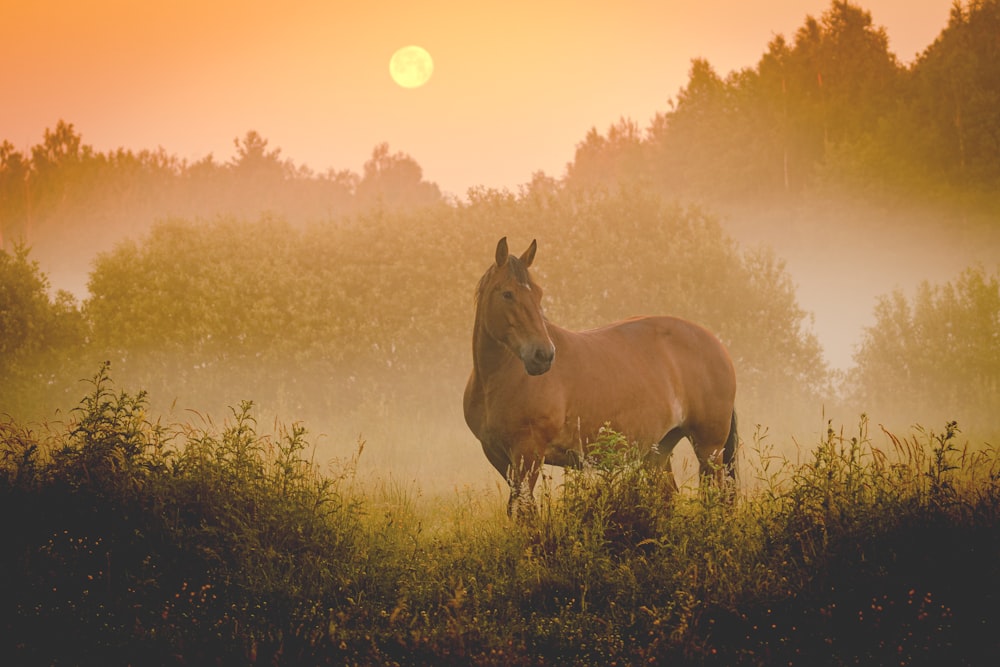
{"type": "Point", "coordinates": [561, 456]}
{"type": "Point", "coordinates": [579, 433]}
{"type": "Point", "coordinates": [641, 413]}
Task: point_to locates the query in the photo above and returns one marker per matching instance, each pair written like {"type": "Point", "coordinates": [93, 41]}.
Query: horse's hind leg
{"type": "Point", "coordinates": [717, 453]}
{"type": "Point", "coordinates": [729, 449]}
{"type": "Point", "coordinates": [709, 461]}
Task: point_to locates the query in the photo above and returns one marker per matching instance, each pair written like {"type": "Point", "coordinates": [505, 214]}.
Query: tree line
{"type": "Point", "coordinates": [65, 192]}
{"type": "Point", "coordinates": [374, 317]}
{"type": "Point", "coordinates": [331, 317]}
{"type": "Point", "coordinates": [830, 108]}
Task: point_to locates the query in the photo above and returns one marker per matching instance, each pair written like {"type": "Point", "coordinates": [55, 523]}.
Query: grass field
{"type": "Point", "coordinates": [140, 543]}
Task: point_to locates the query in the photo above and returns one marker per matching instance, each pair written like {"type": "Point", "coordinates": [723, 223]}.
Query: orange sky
{"type": "Point", "coordinates": [516, 84]}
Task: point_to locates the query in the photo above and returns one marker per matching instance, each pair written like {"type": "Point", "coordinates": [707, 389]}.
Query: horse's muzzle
{"type": "Point", "coordinates": [539, 361]}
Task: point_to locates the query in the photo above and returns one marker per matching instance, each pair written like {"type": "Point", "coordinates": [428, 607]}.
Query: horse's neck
{"type": "Point", "coordinates": [489, 356]}
{"type": "Point", "coordinates": [487, 353]}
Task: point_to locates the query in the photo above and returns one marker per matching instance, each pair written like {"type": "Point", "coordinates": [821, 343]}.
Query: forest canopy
{"type": "Point", "coordinates": [830, 108]}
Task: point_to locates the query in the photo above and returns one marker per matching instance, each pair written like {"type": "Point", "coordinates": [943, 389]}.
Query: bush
{"type": "Point", "coordinates": [139, 538]}
{"type": "Point", "coordinates": [375, 315]}
{"type": "Point", "coordinates": [936, 354]}
{"type": "Point", "coordinates": [149, 544]}
{"type": "Point", "coordinates": [37, 334]}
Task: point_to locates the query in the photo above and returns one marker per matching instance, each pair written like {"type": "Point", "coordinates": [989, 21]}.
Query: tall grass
{"type": "Point", "coordinates": [140, 543]}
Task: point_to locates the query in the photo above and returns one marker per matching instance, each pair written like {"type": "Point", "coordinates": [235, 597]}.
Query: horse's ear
{"type": "Point", "coordinates": [529, 255]}
{"type": "Point", "coordinates": [502, 253]}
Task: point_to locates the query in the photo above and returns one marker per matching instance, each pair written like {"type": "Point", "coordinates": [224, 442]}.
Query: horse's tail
{"type": "Point", "coordinates": [729, 449]}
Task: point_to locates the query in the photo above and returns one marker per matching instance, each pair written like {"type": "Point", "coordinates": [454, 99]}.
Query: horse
{"type": "Point", "coordinates": [539, 393]}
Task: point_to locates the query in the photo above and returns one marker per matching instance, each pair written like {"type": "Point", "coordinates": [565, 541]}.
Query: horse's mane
{"type": "Point", "coordinates": [515, 266]}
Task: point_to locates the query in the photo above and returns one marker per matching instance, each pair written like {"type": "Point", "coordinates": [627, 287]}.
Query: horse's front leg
{"type": "Point", "coordinates": [661, 455]}
{"type": "Point", "coordinates": [522, 476]}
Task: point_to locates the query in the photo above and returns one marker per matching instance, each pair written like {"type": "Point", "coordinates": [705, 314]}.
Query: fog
{"type": "Point", "coordinates": [839, 269]}
{"type": "Point", "coordinates": [842, 259]}
{"type": "Point", "coordinates": [821, 211]}
{"type": "Point", "coordinates": [404, 404]}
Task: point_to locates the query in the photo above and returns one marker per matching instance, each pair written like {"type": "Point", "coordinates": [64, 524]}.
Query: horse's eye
{"type": "Point", "coordinates": [508, 295]}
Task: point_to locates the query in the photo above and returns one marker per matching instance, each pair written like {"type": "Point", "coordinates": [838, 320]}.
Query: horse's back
{"type": "Point", "coordinates": [701, 361]}
{"type": "Point", "coordinates": [679, 343]}
{"type": "Point", "coordinates": [647, 374]}
{"type": "Point", "coordinates": [706, 376]}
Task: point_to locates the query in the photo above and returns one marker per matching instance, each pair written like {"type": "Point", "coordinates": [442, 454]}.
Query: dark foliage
{"type": "Point", "coordinates": [141, 544]}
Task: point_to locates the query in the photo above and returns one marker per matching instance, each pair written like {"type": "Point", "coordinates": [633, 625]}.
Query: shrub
{"type": "Point", "coordinates": [936, 354]}
{"type": "Point", "coordinates": [150, 544]}
{"type": "Point", "coordinates": [139, 537]}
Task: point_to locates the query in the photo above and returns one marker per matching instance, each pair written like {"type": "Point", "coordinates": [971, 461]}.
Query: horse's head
{"type": "Point", "coordinates": [510, 309]}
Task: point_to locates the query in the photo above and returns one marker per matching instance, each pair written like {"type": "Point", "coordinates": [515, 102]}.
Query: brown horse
{"type": "Point", "coordinates": [539, 393]}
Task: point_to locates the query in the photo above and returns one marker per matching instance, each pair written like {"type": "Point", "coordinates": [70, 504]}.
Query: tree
{"type": "Point", "coordinates": [689, 143]}
{"type": "Point", "coordinates": [937, 354]}
{"type": "Point", "coordinates": [956, 95]}
{"type": "Point", "coordinates": [840, 79]}
{"type": "Point", "coordinates": [254, 162]}
{"type": "Point", "coordinates": [37, 334]}
{"type": "Point", "coordinates": [394, 181]}
{"type": "Point", "coordinates": [24, 307]}
{"type": "Point", "coordinates": [618, 158]}
{"type": "Point", "coordinates": [62, 171]}
{"type": "Point", "coordinates": [13, 186]}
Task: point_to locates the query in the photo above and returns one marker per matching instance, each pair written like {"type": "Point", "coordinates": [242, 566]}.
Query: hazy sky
{"type": "Point", "coordinates": [516, 84]}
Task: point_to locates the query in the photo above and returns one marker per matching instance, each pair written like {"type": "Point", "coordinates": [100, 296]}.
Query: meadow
{"type": "Point", "coordinates": [138, 542]}
{"type": "Point", "coordinates": [173, 516]}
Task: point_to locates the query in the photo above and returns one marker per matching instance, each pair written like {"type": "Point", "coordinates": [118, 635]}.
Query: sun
{"type": "Point", "coordinates": [411, 66]}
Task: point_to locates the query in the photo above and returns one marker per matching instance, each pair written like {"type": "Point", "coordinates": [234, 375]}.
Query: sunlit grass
{"type": "Point", "coordinates": [231, 542]}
